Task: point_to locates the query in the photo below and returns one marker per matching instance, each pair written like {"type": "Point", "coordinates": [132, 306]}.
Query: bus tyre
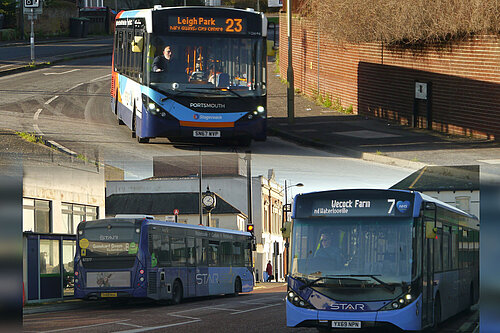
{"type": "Point", "coordinates": [237, 286]}
{"type": "Point", "coordinates": [437, 312]}
{"type": "Point", "coordinates": [134, 122]}
{"type": "Point", "coordinates": [177, 292]}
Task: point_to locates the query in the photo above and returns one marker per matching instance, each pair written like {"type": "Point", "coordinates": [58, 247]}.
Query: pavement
{"type": "Point", "coordinates": [345, 134]}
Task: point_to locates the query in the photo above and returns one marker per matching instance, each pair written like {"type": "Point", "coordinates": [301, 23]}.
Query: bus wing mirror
{"type": "Point", "coordinates": [137, 44]}
{"type": "Point", "coordinates": [286, 230]}
{"type": "Point", "coordinates": [430, 230]}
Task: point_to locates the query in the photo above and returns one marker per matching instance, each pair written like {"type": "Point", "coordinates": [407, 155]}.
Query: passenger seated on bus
{"type": "Point", "coordinates": [223, 80]}
{"type": "Point", "coordinates": [327, 250]}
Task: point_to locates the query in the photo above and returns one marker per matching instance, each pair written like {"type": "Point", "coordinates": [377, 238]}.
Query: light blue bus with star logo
{"type": "Point", "coordinates": [386, 259]}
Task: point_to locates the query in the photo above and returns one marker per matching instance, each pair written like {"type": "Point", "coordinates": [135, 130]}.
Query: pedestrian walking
{"type": "Point", "coordinates": [269, 271]}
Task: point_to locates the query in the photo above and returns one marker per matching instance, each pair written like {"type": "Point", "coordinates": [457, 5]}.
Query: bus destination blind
{"type": "Point", "coordinates": [206, 24]}
{"type": "Point", "coordinates": [353, 205]}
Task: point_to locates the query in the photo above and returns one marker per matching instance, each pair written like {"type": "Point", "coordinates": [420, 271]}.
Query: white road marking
{"type": "Point", "coordinates": [144, 329]}
{"type": "Point", "coordinates": [37, 113]}
{"type": "Point", "coordinates": [86, 326]}
{"type": "Point", "coordinates": [37, 129]}
{"type": "Point", "coordinates": [50, 100]}
{"type": "Point", "coordinates": [222, 309]}
{"type": "Point", "coordinates": [127, 324]}
{"type": "Point", "coordinates": [100, 78]}
{"type": "Point", "coordinates": [79, 84]}
{"type": "Point", "coordinates": [496, 161]}
{"type": "Point", "coordinates": [69, 151]}
{"type": "Point", "coordinates": [256, 309]}
{"type": "Point", "coordinates": [72, 70]}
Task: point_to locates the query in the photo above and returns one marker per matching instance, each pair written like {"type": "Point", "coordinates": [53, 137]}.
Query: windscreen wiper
{"type": "Point", "coordinates": [333, 277]}
{"type": "Point", "coordinates": [374, 277]}
{"type": "Point", "coordinates": [216, 89]}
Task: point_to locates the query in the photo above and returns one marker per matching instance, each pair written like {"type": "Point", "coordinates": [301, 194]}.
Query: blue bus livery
{"type": "Point", "coordinates": [380, 258]}
{"type": "Point", "coordinates": [215, 84]}
{"type": "Point", "coordinates": [144, 258]}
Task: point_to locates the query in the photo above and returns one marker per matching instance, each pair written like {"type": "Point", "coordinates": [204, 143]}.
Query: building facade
{"type": "Point", "coordinates": [56, 197]}
{"type": "Point", "coordinates": [267, 202]}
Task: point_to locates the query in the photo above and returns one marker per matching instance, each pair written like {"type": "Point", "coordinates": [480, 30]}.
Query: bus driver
{"type": "Point", "coordinates": [162, 62]}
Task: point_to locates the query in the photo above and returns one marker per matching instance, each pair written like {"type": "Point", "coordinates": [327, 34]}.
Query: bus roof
{"type": "Point", "coordinates": [170, 224]}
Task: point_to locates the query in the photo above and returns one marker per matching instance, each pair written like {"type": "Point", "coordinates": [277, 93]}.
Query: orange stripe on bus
{"type": "Point", "coordinates": [205, 125]}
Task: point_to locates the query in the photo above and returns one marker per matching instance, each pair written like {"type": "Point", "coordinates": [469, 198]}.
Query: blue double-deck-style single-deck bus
{"type": "Point", "coordinates": [144, 258]}
{"type": "Point", "coordinates": [195, 73]}
{"type": "Point", "coordinates": [380, 258]}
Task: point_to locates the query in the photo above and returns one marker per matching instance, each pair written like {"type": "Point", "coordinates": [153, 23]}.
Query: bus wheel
{"type": "Point", "coordinates": [177, 292]}
{"type": "Point", "coordinates": [237, 286]}
{"type": "Point", "coordinates": [134, 122]}
{"type": "Point", "coordinates": [437, 312]}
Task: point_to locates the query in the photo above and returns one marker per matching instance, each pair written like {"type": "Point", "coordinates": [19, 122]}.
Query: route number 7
{"type": "Point", "coordinates": [392, 202]}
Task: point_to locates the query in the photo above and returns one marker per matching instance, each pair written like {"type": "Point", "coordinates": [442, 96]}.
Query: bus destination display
{"type": "Point", "coordinates": [350, 204]}
{"type": "Point", "coordinates": [207, 24]}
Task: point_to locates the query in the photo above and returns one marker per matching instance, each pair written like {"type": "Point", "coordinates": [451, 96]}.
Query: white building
{"type": "Point", "coordinates": [267, 203]}
{"type": "Point", "coordinates": [454, 185]}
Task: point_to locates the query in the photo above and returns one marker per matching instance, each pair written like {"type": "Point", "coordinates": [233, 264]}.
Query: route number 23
{"type": "Point", "coordinates": [233, 25]}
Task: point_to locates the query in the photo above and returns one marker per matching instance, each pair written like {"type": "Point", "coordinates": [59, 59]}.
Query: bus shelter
{"type": "Point", "coordinates": [48, 268]}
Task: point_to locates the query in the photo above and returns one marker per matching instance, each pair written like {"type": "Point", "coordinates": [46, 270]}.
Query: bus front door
{"type": "Point", "coordinates": [427, 276]}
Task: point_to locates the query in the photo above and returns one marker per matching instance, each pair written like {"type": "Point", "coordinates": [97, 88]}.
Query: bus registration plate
{"type": "Point", "coordinates": [346, 324]}
{"type": "Point", "coordinates": [109, 295]}
{"type": "Point", "coordinates": [206, 134]}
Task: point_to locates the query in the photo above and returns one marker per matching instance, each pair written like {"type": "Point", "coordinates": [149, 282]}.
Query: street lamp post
{"type": "Point", "coordinates": [289, 72]}
{"type": "Point", "coordinates": [285, 219]}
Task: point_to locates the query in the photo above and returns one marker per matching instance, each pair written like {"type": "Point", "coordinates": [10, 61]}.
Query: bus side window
{"type": "Point", "coordinates": [164, 251]}
{"type": "Point", "coordinates": [201, 252]}
{"type": "Point", "coordinates": [213, 253]}
{"type": "Point", "coordinates": [191, 251]}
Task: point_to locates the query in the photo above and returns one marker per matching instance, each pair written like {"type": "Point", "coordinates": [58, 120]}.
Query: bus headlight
{"type": "Point", "coordinates": [141, 279]}
{"type": "Point", "coordinates": [156, 110]}
{"type": "Point", "coordinates": [296, 300]}
{"type": "Point", "coordinates": [260, 109]}
{"type": "Point", "coordinates": [399, 302]}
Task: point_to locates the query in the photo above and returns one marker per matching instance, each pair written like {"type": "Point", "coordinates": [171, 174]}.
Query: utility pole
{"type": "Point", "coordinates": [289, 72]}
{"type": "Point", "coordinates": [248, 159]}
{"type": "Point", "coordinates": [200, 174]}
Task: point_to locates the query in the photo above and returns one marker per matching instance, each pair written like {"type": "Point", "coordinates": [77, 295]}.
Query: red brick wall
{"type": "Point", "coordinates": [464, 78]}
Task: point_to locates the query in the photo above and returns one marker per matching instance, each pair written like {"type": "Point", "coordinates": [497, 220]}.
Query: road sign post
{"type": "Point", "coordinates": [176, 213]}
{"type": "Point", "coordinates": [32, 8]}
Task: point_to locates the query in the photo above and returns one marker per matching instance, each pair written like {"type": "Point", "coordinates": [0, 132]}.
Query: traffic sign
{"type": "Point", "coordinates": [31, 3]}
{"type": "Point", "coordinates": [176, 212]}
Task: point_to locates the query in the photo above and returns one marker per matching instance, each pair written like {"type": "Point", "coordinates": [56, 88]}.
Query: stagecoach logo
{"type": "Point", "coordinates": [347, 307]}
{"type": "Point", "coordinates": [403, 206]}
{"type": "Point", "coordinates": [205, 117]}
{"type": "Point", "coordinates": [208, 105]}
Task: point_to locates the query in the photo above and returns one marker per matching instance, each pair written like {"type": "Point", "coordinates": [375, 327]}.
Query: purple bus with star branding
{"type": "Point", "coordinates": [388, 259]}
{"type": "Point", "coordinates": [211, 85]}
{"type": "Point", "coordinates": [145, 258]}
